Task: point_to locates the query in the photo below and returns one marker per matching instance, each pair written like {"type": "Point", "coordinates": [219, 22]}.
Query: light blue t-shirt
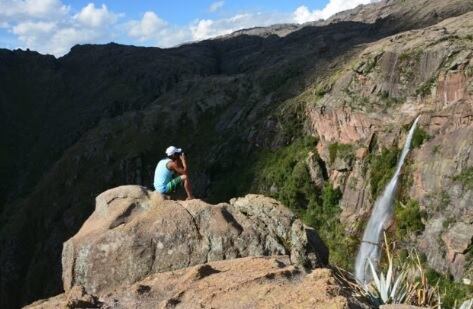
{"type": "Point", "coordinates": [162, 176]}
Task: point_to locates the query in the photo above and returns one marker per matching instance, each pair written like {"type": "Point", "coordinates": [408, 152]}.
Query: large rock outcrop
{"type": "Point", "coordinates": [133, 233]}
{"type": "Point", "coordinates": [251, 282]}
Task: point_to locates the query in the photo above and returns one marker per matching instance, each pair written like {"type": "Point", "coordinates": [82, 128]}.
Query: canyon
{"type": "Point", "coordinates": [312, 115]}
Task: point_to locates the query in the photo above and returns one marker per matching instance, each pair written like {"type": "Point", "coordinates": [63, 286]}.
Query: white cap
{"type": "Point", "coordinates": [172, 150]}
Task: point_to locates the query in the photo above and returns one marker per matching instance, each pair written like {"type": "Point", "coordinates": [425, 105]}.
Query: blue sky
{"type": "Point", "coordinates": [54, 26]}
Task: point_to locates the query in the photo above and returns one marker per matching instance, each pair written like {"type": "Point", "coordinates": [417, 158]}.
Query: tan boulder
{"type": "Point", "coordinates": [134, 233]}
{"type": "Point", "coordinates": [251, 282]}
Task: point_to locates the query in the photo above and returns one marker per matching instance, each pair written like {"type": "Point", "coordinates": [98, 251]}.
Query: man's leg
{"type": "Point", "coordinates": [187, 186]}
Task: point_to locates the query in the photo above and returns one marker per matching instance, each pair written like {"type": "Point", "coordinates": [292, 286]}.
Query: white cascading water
{"type": "Point", "coordinates": [381, 215]}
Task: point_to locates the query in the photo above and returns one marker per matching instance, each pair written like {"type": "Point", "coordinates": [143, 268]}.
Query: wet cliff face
{"type": "Point", "coordinates": [101, 116]}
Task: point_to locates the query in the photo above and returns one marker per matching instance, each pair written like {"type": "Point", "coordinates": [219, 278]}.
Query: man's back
{"type": "Point", "coordinates": [162, 175]}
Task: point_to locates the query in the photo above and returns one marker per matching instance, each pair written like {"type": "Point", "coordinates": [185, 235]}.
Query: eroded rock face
{"type": "Point", "coordinates": [133, 233]}
{"type": "Point", "coordinates": [251, 282]}
{"type": "Point", "coordinates": [316, 170]}
{"type": "Point", "coordinates": [448, 202]}
{"type": "Point", "coordinates": [370, 105]}
{"type": "Point", "coordinates": [340, 125]}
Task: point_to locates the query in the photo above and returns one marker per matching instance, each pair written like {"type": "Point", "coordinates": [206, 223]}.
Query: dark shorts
{"type": "Point", "coordinates": [173, 184]}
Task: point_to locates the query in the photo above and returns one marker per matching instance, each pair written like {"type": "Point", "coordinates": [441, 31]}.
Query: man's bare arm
{"type": "Point", "coordinates": [184, 161]}
{"type": "Point", "coordinates": [181, 170]}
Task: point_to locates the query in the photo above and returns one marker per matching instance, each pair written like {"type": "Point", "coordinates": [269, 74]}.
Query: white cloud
{"type": "Point", "coordinates": [34, 33]}
{"type": "Point", "coordinates": [56, 39]}
{"type": "Point", "coordinates": [48, 26]}
{"type": "Point", "coordinates": [147, 28]}
{"type": "Point", "coordinates": [63, 39]}
{"type": "Point", "coordinates": [208, 28]}
{"type": "Point", "coordinates": [96, 17]}
{"type": "Point", "coordinates": [302, 14]}
{"type": "Point", "coordinates": [203, 29]}
{"type": "Point", "coordinates": [214, 7]}
{"type": "Point", "coordinates": [155, 31]}
{"type": "Point", "coordinates": [21, 10]}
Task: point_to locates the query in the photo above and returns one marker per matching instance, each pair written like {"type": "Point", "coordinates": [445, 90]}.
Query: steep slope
{"type": "Point", "coordinates": [362, 121]}
{"type": "Point", "coordinates": [165, 253]}
{"type": "Point", "coordinates": [101, 116]}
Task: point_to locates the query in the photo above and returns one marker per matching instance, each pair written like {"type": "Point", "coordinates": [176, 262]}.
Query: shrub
{"type": "Point", "coordinates": [425, 89]}
{"type": "Point", "coordinates": [340, 150]}
{"type": "Point", "coordinates": [436, 149]}
{"type": "Point", "coordinates": [452, 293]}
{"type": "Point", "coordinates": [408, 218]}
{"type": "Point", "coordinates": [465, 178]}
{"type": "Point", "coordinates": [382, 169]}
{"type": "Point", "coordinates": [404, 56]}
{"type": "Point", "coordinates": [419, 137]}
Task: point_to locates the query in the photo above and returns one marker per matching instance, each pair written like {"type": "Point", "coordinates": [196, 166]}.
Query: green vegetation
{"type": "Point", "coordinates": [366, 65]}
{"type": "Point", "coordinates": [344, 151]}
{"type": "Point", "coordinates": [286, 170]}
{"type": "Point", "coordinates": [401, 279]}
{"type": "Point", "coordinates": [323, 214]}
{"type": "Point", "coordinates": [370, 65]}
{"type": "Point", "coordinates": [408, 218]}
{"type": "Point", "coordinates": [411, 55]}
{"type": "Point", "coordinates": [419, 137]}
{"type": "Point", "coordinates": [404, 56]}
{"type": "Point", "coordinates": [451, 293]}
{"type": "Point", "coordinates": [465, 178]}
{"type": "Point", "coordinates": [322, 89]}
{"type": "Point", "coordinates": [425, 89]}
{"type": "Point", "coordinates": [284, 175]}
{"type": "Point", "coordinates": [387, 100]}
{"type": "Point", "coordinates": [382, 168]}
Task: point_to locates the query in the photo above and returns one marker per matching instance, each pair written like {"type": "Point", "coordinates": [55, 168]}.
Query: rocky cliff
{"type": "Point", "coordinates": [428, 73]}
{"type": "Point", "coordinates": [139, 250]}
{"type": "Point", "coordinates": [312, 115]}
{"type": "Point", "coordinates": [133, 233]}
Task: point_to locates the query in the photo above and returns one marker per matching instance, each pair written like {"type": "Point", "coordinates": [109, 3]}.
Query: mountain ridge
{"type": "Point", "coordinates": [101, 116]}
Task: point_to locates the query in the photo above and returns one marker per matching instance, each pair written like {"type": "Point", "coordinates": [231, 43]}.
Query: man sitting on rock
{"type": "Point", "coordinates": [174, 164]}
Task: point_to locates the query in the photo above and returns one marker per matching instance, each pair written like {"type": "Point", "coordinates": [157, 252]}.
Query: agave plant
{"type": "Point", "coordinates": [389, 288]}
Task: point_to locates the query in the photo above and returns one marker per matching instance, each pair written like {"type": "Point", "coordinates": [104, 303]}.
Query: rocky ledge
{"type": "Point", "coordinates": [163, 251]}
{"type": "Point", "coordinates": [251, 282]}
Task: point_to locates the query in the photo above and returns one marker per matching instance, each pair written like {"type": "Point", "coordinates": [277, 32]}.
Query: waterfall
{"type": "Point", "coordinates": [382, 213]}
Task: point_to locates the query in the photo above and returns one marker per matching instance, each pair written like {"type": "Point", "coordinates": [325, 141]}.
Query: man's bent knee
{"type": "Point", "coordinates": [184, 177]}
